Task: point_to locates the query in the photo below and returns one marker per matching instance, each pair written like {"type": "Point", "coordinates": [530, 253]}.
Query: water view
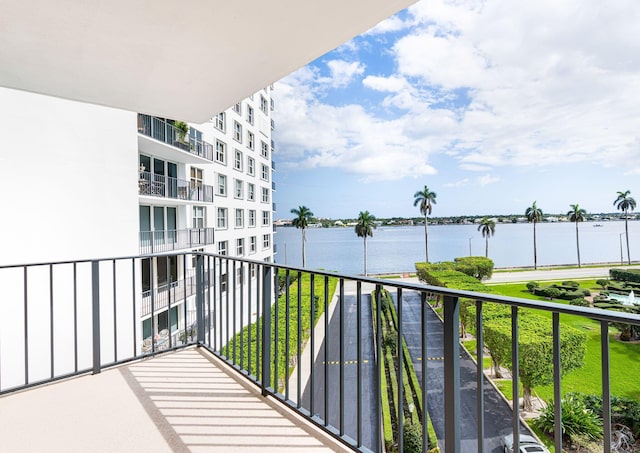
{"type": "Point", "coordinates": [396, 249]}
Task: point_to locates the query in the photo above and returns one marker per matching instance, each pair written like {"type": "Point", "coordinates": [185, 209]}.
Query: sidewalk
{"type": "Point", "coordinates": [553, 274]}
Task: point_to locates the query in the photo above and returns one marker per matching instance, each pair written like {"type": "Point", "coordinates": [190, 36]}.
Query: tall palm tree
{"type": "Point", "coordinates": [534, 214]}
{"type": "Point", "coordinates": [302, 217]}
{"type": "Point", "coordinates": [426, 199]}
{"type": "Point", "coordinates": [364, 228]}
{"type": "Point", "coordinates": [624, 202]}
{"type": "Point", "coordinates": [488, 228]}
{"type": "Point", "coordinates": [576, 214]}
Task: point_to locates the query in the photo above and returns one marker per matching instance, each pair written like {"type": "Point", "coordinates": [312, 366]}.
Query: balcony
{"type": "Point", "coordinates": [160, 130]}
{"type": "Point", "coordinates": [160, 186]}
{"type": "Point", "coordinates": [169, 240]}
{"type": "Point", "coordinates": [74, 318]}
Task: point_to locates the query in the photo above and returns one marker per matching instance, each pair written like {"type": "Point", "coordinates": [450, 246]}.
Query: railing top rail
{"type": "Point", "coordinates": [588, 312]}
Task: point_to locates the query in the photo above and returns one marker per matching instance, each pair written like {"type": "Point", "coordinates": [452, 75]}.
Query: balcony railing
{"type": "Point", "coordinates": [67, 318]}
{"type": "Point", "coordinates": [165, 132]}
{"type": "Point", "coordinates": [163, 186]}
{"type": "Point", "coordinates": [169, 240]}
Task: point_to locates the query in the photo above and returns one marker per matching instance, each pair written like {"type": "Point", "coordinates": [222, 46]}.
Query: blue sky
{"type": "Point", "coordinates": [491, 104]}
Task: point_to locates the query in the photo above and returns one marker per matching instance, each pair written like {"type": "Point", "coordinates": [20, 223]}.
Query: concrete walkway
{"type": "Point", "coordinates": [182, 401]}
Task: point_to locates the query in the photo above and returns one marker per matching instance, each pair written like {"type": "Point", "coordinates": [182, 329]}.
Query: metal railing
{"type": "Point", "coordinates": [170, 240]}
{"type": "Point", "coordinates": [163, 186]}
{"type": "Point", "coordinates": [320, 354]}
{"type": "Point", "coordinates": [163, 131]}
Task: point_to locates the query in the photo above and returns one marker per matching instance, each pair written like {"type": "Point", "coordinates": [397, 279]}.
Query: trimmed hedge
{"type": "Point", "coordinates": [625, 275]}
{"type": "Point", "coordinates": [475, 266]}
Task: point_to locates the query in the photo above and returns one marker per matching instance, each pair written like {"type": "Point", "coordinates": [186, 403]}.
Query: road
{"type": "Point", "coordinates": [553, 274]}
{"type": "Point", "coordinates": [350, 372]}
{"type": "Point", "coordinates": [497, 414]}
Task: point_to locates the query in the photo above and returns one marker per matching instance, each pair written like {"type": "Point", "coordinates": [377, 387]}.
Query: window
{"type": "Point", "coordinates": [266, 241]}
{"type": "Point", "coordinates": [196, 178]}
{"type": "Point", "coordinates": [250, 140]}
{"type": "Point", "coordinates": [252, 217]}
{"type": "Point", "coordinates": [264, 105]}
{"type": "Point", "coordinates": [252, 269]}
{"type": "Point", "coordinates": [220, 122]}
{"type": "Point", "coordinates": [198, 217]}
{"type": "Point", "coordinates": [251, 166]}
{"type": "Point", "coordinates": [264, 173]}
{"type": "Point", "coordinates": [239, 218]}
{"type": "Point", "coordinates": [240, 247]}
{"type": "Point", "coordinates": [222, 248]}
{"type": "Point", "coordinates": [265, 218]}
{"type": "Point", "coordinates": [265, 195]}
{"type": "Point", "coordinates": [221, 151]}
{"type": "Point", "coordinates": [273, 104]}
{"type": "Point", "coordinates": [250, 114]}
{"type": "Point", "coordinates": [237, 108]}
{"type": "Point", "coordinates": [240, 275]}
{"type": "Point", "coordinates": [252, 244]}
{"type": "Point", "coordinates": [222, 185]}
{"type": "Point", "coordinates": [222, 218]}
{"type": "Point", "coordinates": [239, 188]}
{"type": "Point", "coordinates": [237, 131]}
{"type": "Point", "coordinates": [251, 192]}
{"type": "Point", "coordinates": [237, 160]}
{"type": "Point", "coordinates": [264, 149]}
{"type": "Point", "coordinates": [223, 282]}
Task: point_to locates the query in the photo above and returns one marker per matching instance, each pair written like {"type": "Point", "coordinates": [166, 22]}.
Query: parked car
{"type": "Point", "coordinates": [528, 444]}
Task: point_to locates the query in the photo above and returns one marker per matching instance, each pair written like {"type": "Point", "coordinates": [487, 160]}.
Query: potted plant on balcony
{"type": "Point", "coordinates": [182, 128]}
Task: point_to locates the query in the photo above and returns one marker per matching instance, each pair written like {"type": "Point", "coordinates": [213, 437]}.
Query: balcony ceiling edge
{"type": "Point", "coordinates": [171, 59]}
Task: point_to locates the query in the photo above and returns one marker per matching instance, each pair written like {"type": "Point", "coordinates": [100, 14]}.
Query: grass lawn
{"type": "Point", "coordinates": [624, 357]}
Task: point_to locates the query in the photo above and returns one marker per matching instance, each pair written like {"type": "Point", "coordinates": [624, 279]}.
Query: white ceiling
{"type": "Point", "coordinates": [184, 59]}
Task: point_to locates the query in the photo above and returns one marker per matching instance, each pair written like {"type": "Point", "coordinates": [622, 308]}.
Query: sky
{"type": "Point", "coordinates": [492, 104]}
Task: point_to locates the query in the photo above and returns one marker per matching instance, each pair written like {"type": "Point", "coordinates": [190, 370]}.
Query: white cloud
{"type": "Point", "coordinates": [344, 72]}
{"type": "Point", "coordinates": [390, 84]}
{"type": "Point", "coordinates": [487, 179]}
{"type": "Point", "coordinates": [460, 183]}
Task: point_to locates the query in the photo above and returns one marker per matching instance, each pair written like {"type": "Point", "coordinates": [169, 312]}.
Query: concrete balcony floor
{"type": "Point", "coordinates": [181, 401]}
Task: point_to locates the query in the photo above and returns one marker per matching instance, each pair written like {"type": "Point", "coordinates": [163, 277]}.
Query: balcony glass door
{"type": "Point", "coordinates": [145, 227]}
{"type": "Point", "coordinates": [158, 225]}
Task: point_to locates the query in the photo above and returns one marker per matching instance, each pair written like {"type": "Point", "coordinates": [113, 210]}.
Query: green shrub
{"type": "Point", "coordinates": [577, 419]}
{"type": "Point", "coordinates": [579, 302]}
{"type": "Point", "coordinates": [390, 342]}
{"type": "Point", "coordinates": [412, 438]}
{"type": "Point", "coordinates": [571, 284]}
{"type": "Point", "coordinates": [475, 266]}
{"type": "Point", "coordinates": [602, 282]}
{"type": "Point", "coordinates": [532, 286]}
{"type": "Point", "coordinates": [625, 275]}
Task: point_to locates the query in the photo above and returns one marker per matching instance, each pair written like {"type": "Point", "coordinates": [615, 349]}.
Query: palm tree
{"type": "Point", "coordinates": [426, 199]}
{"type": "Point", "coordinates": [488, 228]}
{"type": "Point", "coordinates": [303, 216]}
{"type": "Point", "coordinates": [534, 214]}
{"type": "Point", "coordinates": [625, 203]}
{"type": "Point", "coordinates": [576, 214]}
{"type": "Point", "coordinates": [364, 228]}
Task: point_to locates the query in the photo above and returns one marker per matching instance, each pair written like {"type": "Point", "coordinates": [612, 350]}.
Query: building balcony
{"type": "Point", "coordinates": [318, 363]}
{"type": "Point", "coordinates": [169, 240]}
{"type": "Point", "coordinates": [160, 186]}
{"type": "Point", "coordinates": [183, 147]}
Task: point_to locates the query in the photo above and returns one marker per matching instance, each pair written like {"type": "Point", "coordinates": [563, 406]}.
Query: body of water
{"type": "Point", "coordinates": [397, 249]}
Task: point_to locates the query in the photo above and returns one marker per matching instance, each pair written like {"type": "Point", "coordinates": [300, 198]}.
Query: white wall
{"type": "Point", "coordinates": [68, 184]}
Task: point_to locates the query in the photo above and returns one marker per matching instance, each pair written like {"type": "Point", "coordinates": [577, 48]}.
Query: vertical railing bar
{"type": "Point", "coordinates": [235, 295]}
{"type": "Point", "coordinates": [220, 288]}
{"type": "Point", "coordinates": [75, 317]}
{"type": "Point", "coordinates": [515, 382]}
{"type": "Point", "coordinates": [134, 317]}
{"type": "Point", "coordinates": [287, 334]}
{"type": "Point", "coordinates": [242, 280]}
{"type": "Point", "coordinates": [200, 298]}
{"type": "Point", "coordinates": [312, 384]}
{"type": "Point", "coordinates": [95, 306]}
{"type": "Point", "coordinates": [606, 387]}
{"type": "Point", "coordinates": [152, 280]}
{"type": "Point", "coordinates": [170, 289]}
{"type": "Point", "coordinates": [250, 315]}
{"type": "Point", "coordinates": [359, 363]}
{"type": "Point", "coordinates": [209, 317]}
{"type": "Point", "coordinates": [425, 412]}
{"type": "Point", "coordinates": [226, 312]}
{"type": "Point", "coordinates": [326, 351]}
{"type": "Point", "coordinates": [275, 335]}
{"type": "Point", "coordinates": [51, 323]}
{"type": "Point", "coordinates": [452, 374]}
{"type": "Point", "coordinates": [184, 305]}
{"type": "Point", "coordinates": [115, 313]}
{"type": "Point", "coordinates": [480, 375]}
{"type": "Point", "coordinates": [400, 353]}
{"type": "Point", "coordinates": [26, 326]}
{"type": "Point", "coordinates": [557, 382]}
{"type": "Point", "coordinates": [299, 351]}
{"type": "Point", "coordinates": [341, 335]}
{"type": "Point", "coordinates": [379, 371]}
